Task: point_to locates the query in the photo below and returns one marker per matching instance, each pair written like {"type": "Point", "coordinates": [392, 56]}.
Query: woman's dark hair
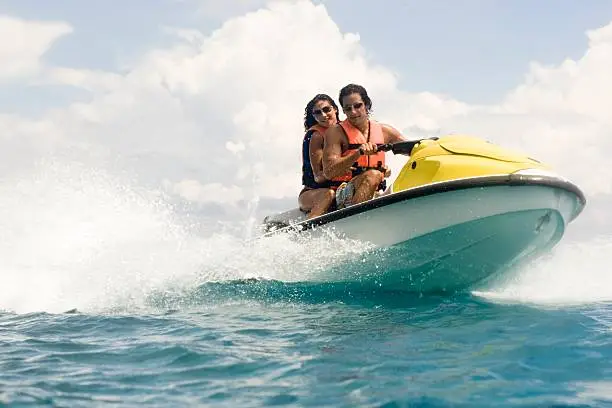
{"type": "Point", "coordinates": [358, 89]}
{"type": "Point", "coordinates": [309, 119]}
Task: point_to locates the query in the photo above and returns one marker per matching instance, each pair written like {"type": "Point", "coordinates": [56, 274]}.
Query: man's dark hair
{"type": "Point", "coordinates": [354, 88]}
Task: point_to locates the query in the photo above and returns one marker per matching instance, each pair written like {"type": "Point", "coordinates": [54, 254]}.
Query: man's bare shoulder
{"type": "Point", "coordinates": [391, 133]}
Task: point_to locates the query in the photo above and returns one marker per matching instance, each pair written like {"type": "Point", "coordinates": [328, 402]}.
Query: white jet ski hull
{"type": "Point", "coordinates": [448, 236]}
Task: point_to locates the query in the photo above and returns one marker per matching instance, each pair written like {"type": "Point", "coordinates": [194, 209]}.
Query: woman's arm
{"type": "Point", "coordinates": [316, 156]}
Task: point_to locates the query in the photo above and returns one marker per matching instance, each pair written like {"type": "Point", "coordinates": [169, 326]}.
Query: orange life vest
{"type": "Point", "coordinates": [318, 128]}
{"type": "Point", "coordinates": [355, 136]}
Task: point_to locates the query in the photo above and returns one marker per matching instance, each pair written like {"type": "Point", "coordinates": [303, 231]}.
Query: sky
{"type": "Point", "coordinates": [204, 99]}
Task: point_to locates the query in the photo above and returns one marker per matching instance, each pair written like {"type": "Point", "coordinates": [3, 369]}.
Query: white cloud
{"type": "Point", "coordinates": [223, 111]}
{"type": "Point", "coordinates": [235, 148]}
{"type": "Point", "coordinates": [242, 87]}
{"type": "Point", "coordinates": [192, 190]}
{"type": "Point", "coordinates": [575, 87]}
{"type": "Point", "coordinates": [560, 114]}
{"type": "Point", "coordinates": [24, 43]}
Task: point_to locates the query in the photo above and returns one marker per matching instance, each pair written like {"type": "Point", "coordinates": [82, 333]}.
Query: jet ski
{"type": "Point", "coordinates": [460, 212]}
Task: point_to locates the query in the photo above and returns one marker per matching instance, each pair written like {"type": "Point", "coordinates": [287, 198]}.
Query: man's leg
{"type": "Point", "coordinates": [366, 184]}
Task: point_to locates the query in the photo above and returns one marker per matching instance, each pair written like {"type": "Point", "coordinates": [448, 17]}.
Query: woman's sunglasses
{"type": "Point", "coordinates": [326, 109]}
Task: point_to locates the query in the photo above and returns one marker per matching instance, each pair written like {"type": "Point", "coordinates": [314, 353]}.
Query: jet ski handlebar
{"type": "Point", "coordinates": [397, 148]}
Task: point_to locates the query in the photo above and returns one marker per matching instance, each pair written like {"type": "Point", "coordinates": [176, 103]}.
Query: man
{"type": "Point", "coordinates": [363, 170]}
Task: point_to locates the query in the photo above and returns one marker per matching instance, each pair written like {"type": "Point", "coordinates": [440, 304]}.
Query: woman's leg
{"type": "Point", "coordinates": [316, 202]}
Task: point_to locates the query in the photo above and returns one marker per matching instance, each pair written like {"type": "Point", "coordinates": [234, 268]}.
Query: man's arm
{"type": "Point", "coordinates": [334, 164]}
{"type": "Point", "coordinates": [392, 135]}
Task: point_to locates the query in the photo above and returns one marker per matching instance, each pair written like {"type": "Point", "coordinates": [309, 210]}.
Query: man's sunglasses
{"type": "Point", "coordinates": [355, 106]}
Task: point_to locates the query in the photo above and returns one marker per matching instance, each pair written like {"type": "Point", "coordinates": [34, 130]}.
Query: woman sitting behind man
{"type": "Point", "coordinates": [318, 193]}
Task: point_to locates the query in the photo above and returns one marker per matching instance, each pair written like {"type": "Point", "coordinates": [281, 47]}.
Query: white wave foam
{"type": "Point", "coordinates": [75, 237]}
{"type": "Point", "coordinates": [72, 236]}
{"type": "Point", "coordinates": [573, 274]}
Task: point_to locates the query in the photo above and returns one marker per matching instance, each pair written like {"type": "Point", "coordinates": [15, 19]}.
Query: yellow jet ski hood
{"type": "Point", "coordinates": [458, 157]}
{"type": "Point", "coordinates": [477, 147]}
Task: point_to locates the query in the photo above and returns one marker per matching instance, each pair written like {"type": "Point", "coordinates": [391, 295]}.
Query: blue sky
{"type": "Point", "coordinates": [474, 50]}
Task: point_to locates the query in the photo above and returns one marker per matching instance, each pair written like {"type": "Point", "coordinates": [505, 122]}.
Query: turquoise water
{"type": "Point", "coordinates": [152, 328]}
{"type": "Point", "coordinates": [254, 344]}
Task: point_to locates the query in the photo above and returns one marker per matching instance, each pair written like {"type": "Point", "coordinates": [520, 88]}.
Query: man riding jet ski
{"type": "Point", "coordinates": [361, 170]}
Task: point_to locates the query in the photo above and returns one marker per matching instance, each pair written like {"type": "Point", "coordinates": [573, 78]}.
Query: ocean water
{"type": "Point", "coordinates": [109, 296]}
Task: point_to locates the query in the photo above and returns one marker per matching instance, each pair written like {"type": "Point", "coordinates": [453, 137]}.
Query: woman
{"type": "Point", "coordinates": [318, 193]}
